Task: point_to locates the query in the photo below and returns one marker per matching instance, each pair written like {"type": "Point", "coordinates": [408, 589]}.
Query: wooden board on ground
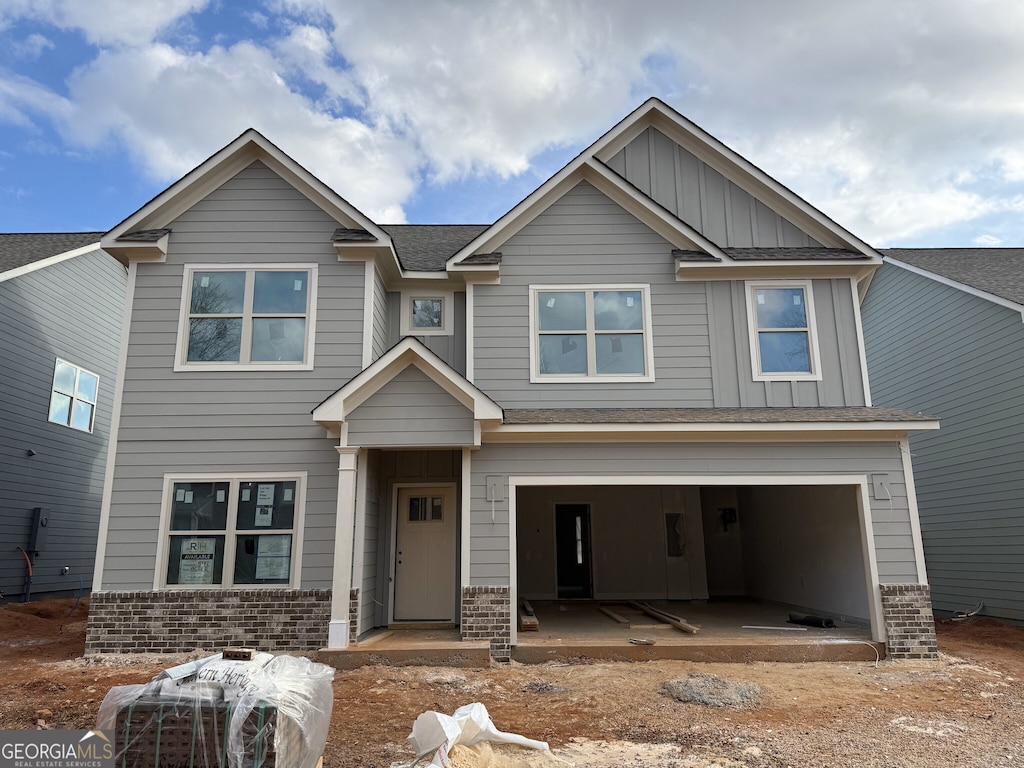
{"type": "Point", "coordinates": [614, 616]}
{"type": "Point", "coordinates": [527, 618]}
{"type": "Point", "coordinates": [665, 616]}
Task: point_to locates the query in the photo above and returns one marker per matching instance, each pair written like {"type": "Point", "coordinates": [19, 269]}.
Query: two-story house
{"type": "Point", "coordinates": [646, 380]}
{"type": "Point", "coordinates": [61, 307]}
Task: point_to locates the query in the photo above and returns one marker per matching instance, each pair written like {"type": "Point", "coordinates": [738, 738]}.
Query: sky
{"type": "Point", "coordinates": [903, 121]}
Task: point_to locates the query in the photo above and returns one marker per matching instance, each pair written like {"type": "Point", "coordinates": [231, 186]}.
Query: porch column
{"type": "Point", "coordinates": [337, 632]}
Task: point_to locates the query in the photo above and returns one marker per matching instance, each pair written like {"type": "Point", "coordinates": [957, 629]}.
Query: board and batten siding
{"type": "Point", "coordinates": [842, 382]}
{"type": "Point", "coordinates": [228, 421]}
{"type": "Point", "coordinates": [938, 350]}
{"type": "Point", "coordinates": [585, 238]}
{"type": "Point", "coordinates": [701, 196]}
{"type": "Point", "coordinates": [411, 410]}
{"type": "Point", "coordinates": [70, 310]}
{"type": "Point", "coordinates": [893, 535]}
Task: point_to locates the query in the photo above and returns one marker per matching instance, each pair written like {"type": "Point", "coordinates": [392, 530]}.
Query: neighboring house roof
{"type": "Point", "coordinates": [998, 271]}
{"type": "Point", "coordinates": [709, 415]}
{"type": "Point", "coordinates": [22, 249]}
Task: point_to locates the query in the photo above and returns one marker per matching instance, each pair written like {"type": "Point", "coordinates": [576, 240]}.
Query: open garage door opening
{"type": "Point", "coordinates": [800, 547]}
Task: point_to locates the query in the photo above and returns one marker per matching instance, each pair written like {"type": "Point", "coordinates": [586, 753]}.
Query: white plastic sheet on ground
{"type": "Point", "coordinates": [436, 734]}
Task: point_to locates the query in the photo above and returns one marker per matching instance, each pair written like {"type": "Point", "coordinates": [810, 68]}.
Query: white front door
{"type": "Point", "coordinates": [425, 554]}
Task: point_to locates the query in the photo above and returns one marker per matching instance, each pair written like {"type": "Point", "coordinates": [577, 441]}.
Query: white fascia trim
{"type": "Point", "coordinates": [915, 520]}
{"type": "Point", "coordinates": [27, 269]}
{"type": "Point", "coordinates": [115, 423]}
{"type": "Point", "coordinates": [407, 352]}
{"type": "Point", "coordinates": [227, 162]}
{"type": "Point", "coordinates": [752, 179]}
{"type": "Point", "coordinates": [616, 432]}
{"type": "Point", "coordinates": [862, 353]}
{"type": "Point", "coordinates": [676, 231]}
{"type": "Point", "coordinates": [1019, 308]}
{"type": "Point", "coordinates": [726, 479]}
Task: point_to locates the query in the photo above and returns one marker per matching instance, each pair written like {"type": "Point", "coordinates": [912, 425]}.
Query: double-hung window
{"type": "Point", "coordinates": [73, 397]}
{"type": "Point", "coordinates": [258, 317]}
{"type": "Point", "coordinates": [783, 341]}
{"type": "Point", "coordinates": [601, 333]}
{"type": "Point", "coordinates": [223, 532]}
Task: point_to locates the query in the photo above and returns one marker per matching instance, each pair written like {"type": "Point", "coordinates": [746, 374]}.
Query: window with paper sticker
{"type": "Point", "coordinates": [231, 531]}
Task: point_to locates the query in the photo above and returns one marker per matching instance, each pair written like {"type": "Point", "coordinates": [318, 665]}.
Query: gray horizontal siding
{"type": "Point", "coordinates": [71, 310]}
{"type": "Point", "coordinates": [701, 196]}
{"type": "Point", "coordinates": [234, 421]}
{"type": "Point", "coordinates": [893, 538]}
{"type": "Point", "coordinates": [585, 238]}
{"type": "Point", "coordinates": [935, 349]}
{"type": "Point", "coordinates": [380, 314]}
{"type": "Point", "coordinates": [411, 410]}
{"type": "Point", "coordinates": [138, 488]}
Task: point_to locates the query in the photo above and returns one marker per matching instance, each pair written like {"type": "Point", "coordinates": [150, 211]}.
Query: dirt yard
{"type": "Point", "coordinates": [965, 710]}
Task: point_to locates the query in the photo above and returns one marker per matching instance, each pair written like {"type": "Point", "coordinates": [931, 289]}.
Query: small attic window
{"type": "Point", "coordinates": [426, 314]}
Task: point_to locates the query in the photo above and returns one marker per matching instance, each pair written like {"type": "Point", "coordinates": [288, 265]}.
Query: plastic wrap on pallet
{"type": "Point", "coordinates": [270, 712]}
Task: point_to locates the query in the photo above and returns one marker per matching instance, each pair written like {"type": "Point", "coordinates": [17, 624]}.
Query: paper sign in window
{"type": "Point", "coordinates": [196, 561]}
{"type": "Point", "coordinates": [265, 495]}
{"type": "Point", "coordinates": [273, 557]}
{"type": "Point", "coordinates": [264, 517]}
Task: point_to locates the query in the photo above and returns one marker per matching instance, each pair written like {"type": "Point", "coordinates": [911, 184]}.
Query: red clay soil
{"type": "Point", "coordinates": [964, 710]}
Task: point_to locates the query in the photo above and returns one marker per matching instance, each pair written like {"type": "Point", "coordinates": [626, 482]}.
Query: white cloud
{"type": "Point", "coordinates": [171, 110]}
{"type": "Point", "coordinates": [895, 118]}
{"type": "Point", "coordinates": [103, 22]}
{"type": "Point", "coordinates": [32, 47]}
{"type": "Point", "coordinates": [987, 241]}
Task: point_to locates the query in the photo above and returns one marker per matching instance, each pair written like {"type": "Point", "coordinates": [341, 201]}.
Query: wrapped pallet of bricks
{"type": "Point", "coordinates": [239, 709]}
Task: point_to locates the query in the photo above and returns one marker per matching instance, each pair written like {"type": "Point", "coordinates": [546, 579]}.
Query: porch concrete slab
{"type": "Point", "coordinates": [410, 647]}
{"type": "Point", "coordinates": [728, 631]}
{"type": "Point", "coordinates": [578, 631]}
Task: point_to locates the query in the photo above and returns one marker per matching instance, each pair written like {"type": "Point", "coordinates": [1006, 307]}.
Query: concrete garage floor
{"type": "Point", "coordinates": [576, 631]}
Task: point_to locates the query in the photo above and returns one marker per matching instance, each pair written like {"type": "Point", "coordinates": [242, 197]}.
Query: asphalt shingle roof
{"type": "Point", "coordinates": [708, 415]}
{"type": "Point", "coordinates": [426, 247]}
{"type": "Point", "coordinates": [999, 271]}
{"type": "Point", "coordinates": [21, 249]}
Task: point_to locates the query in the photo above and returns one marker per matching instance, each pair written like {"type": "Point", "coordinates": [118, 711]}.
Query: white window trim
{"type": "Point", "coordinates": [537, 377]}
{"type": "Point", "coordinates": [181, 362]}
{"type": "Point", "coordinates": [447, 308]}
{"type": "Point", "coordinates": [298, 526]}
{"type": "Point", "coordinates": [812, 332]}
{"type": "Point", "coordinates": [74, 396]}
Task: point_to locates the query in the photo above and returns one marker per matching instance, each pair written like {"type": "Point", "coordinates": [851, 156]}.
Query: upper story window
{"type": "Point", "coordinates": [73, 397]}
{"type": "Point", "coordinates": [258, 317]}
{"type": "Point", "coordinates": [783, 341]}
{"type": "Point", "coordinates": [601, 333]}
{"type": "Point", "coordinates": [427, 313]}
{"type": "Point", "coordinates": [222, 532]}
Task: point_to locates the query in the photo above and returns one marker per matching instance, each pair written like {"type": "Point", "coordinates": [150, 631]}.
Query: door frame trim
{"type": "Point", "coordinates": [396, 488]}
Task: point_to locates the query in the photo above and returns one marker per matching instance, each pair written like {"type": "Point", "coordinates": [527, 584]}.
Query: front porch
{"type": "Point", "coordinates": [579, 632]}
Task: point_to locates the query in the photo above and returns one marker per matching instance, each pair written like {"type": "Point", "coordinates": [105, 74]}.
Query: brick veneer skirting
{"type": "Point", "coordinates": [909, 623]}
{"type": "Point", "coordinates": [486, 615]}
{"type": "Point", "coordinates": [176, 621]}
{"type": "Point", "coordinates": [353, 615]}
